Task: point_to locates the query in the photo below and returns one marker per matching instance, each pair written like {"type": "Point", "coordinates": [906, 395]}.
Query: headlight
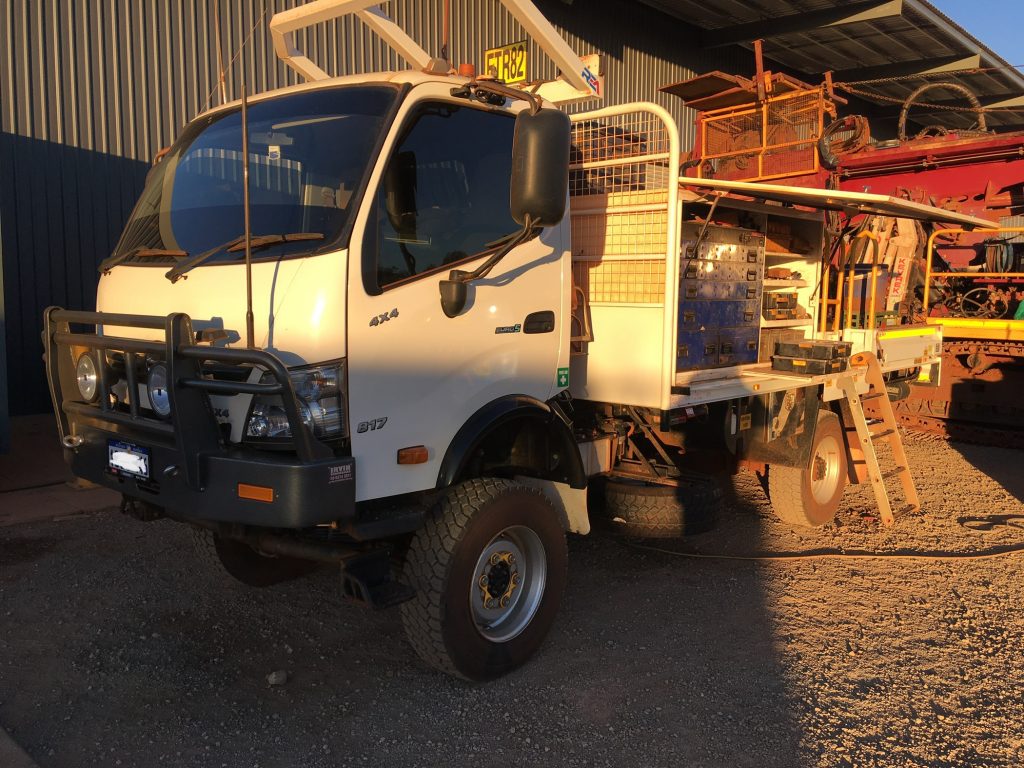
{"type": "Point", "coordinates": [87, 377]}
{"type": "Point", "coordinates": [321, 405]}
{"type": "Point", "coordinates": [156, 386]}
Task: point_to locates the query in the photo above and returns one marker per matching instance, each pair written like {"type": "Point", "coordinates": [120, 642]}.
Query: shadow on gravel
{"type": "Point", "coordinates": [126, 647]}
{"type": "Point", "coordinates": [24, 550]}
{"type": "Point", "coordinates": [1001, 464]}
{"type": "Point", "coordinates": [695, 637]}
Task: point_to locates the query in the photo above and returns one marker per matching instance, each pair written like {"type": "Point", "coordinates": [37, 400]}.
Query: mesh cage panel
{"type": "Point", "coordinates": [774, 140]}
{"type": "Point", "coordinates": [632, 281]}
{"type": "Point", "coordinates": [794, 125]}
{"type": "Point", "coordinates": [618, 154]}
{"type": "Point", "coordinates": [619, 191]}
{"type": "Point", "coordinates": [622, 233]}
{"type": "Point", "coordinates": [725, 139]}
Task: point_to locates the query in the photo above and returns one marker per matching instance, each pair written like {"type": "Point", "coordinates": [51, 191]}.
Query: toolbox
{"type": "Point", "coordinates": [770, 336]}
{"type": "Point", "coordinates": [720, 288]}
{"type": "Point", "coordinates": [812, 349]}
{"type": "Point", "coordinates": [779, 299]}
{"type": "Point", "coordinates": [811, 366]}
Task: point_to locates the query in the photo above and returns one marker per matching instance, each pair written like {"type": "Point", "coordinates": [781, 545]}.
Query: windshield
{"type": "Point", "coordinates": [308, 154]}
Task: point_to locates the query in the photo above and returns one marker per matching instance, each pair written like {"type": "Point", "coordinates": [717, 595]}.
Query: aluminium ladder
{"type": "Point", "coordinates": [863, 448]}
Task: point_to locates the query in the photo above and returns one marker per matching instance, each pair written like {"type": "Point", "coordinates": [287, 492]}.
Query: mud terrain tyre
{"type": "Point", "coordinates": [651, 511]}
{"type": "Point", "coordinates": [246, 564]}
{"type": "Point", "coordinates": [489, 567]}
{"type": "Point", "coordinates": [810, 496]}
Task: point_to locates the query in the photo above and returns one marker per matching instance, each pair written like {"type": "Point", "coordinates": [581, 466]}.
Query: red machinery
{"type": "Point", "coordinates": [775, 128]}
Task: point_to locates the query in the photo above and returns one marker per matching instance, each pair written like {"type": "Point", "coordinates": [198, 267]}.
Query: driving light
{"type": "Point", "coordinates": [320, 400]}
{"type": "Point", "coordinates": [87, 377]}
{"type": "Point", "coordinates": [156, 385]}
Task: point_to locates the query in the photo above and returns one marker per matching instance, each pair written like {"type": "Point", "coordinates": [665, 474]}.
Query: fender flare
{"type": "Point", "coordinates": [500, 412]}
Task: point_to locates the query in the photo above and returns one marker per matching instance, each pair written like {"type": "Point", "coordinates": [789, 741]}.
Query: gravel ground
{"type": "Point", "coordinates": [118, 648]}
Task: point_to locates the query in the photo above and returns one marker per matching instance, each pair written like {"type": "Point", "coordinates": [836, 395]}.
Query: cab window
{"type": "Point", "coordinates": [444, 195]}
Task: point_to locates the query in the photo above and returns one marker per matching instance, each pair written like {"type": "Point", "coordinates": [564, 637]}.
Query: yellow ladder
{"type": "Point", "coordinates": [868, 434]}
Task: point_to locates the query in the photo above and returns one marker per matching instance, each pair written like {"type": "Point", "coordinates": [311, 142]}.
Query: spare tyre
{"type": "Point", "coordinates": [661, 511]}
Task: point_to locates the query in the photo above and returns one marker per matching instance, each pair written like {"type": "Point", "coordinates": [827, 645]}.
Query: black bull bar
{"type": "Point", "coordinates": [195, 473]}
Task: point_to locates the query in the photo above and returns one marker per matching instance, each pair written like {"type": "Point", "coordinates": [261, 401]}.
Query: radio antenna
{"type": "Point", "coordinates": [220, 56]}
{"type": "Point", "coordinates": [249, 322]}
{"type": "Point", "coordinates": [446, 24]}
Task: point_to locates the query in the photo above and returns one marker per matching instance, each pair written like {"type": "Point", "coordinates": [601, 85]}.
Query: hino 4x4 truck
{"type": "Point", "coordinates": [406, 322]}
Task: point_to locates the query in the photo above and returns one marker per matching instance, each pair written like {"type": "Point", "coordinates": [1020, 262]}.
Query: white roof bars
{"type": "Point", "coordinates": [578, 80]}
{"type": "Point", "coordinates": [285, 24]}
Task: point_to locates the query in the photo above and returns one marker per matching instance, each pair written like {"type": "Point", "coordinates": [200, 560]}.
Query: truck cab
{"type": "Point", "coordinates": [365, 196]}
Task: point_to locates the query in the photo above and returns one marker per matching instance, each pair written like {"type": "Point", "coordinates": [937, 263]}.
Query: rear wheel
{"type": "Point", "coordinates": [809, 496]}
{"type": "Point", "coordinates": [246, 564]}
{"type": "Point", "coordinates": [489, 567]}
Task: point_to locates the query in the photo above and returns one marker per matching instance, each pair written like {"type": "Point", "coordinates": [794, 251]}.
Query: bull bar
{"type": "Point", "coordinates": [194, 472]}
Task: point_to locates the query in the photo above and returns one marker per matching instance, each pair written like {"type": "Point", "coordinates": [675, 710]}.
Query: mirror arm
{"type": "Point", "coordinates": [484, 269]}
{"type": "Point", "coordinates": [454, 290]}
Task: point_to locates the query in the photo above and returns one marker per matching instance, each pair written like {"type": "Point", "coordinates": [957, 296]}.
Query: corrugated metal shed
{"type": "Point", "coordinates": [90, 91]}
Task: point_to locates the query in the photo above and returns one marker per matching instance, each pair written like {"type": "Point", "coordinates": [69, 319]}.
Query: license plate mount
{"type": "Point", "coordinates": [124, 458]}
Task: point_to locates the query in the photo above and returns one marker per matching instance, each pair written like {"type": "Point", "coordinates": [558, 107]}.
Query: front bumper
{"type": "Point", "coordinates": [193, 472]}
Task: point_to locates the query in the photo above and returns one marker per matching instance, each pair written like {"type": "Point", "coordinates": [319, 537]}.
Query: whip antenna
{"type": "Point", "coordinates": [249, 323]}
{"type": "Point", "coordinates": [220, 56]}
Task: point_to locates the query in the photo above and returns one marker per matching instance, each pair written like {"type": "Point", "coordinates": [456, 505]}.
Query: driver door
{"type": "Point", "coordinates": [440, 201]}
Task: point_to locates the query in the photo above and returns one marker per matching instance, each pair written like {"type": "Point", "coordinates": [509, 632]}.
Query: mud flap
{"type": "Point", "coordinates": [782, 428]}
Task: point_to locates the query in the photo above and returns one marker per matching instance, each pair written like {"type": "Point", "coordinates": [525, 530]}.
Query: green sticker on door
{"type": "Point", "coordinates": [563, 377]}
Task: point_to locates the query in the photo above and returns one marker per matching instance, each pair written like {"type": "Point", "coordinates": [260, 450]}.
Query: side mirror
{"type": "Point", "coordinates": [454, 293]}
{"type": "Point", "coordinates": [540, 167]}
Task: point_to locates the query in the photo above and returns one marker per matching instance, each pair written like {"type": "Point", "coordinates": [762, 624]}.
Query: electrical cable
{"type": "Point", "coordinates": [227, 67]}
{"type": "Point", "coordinates": [938, 556]}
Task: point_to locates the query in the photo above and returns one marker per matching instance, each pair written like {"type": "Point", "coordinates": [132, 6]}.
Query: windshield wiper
{"type": "Point", "coordinates": [262, 241]}
{"type": "Point", "coordinates": [112, 261]}
{"type": "Point", "coordinates": [238, 244]}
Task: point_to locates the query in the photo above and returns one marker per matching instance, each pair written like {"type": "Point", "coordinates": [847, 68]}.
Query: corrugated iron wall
{"type": "Point", "coordinates": [89, 91]}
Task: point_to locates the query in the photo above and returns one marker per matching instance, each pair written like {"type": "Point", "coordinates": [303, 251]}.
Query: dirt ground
{"type": "Point", "coordinates": [118, 648]}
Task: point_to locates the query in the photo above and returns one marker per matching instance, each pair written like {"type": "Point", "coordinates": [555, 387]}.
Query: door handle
{"type": "Point", "coordinates": [539, 322]}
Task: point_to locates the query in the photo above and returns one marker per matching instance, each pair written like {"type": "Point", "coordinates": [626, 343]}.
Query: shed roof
{"type": "Point", "coordinates": [898, 44]}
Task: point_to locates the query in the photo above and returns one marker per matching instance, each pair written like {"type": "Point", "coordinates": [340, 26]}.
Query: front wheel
{"type": "Point", "coordinates": [246, 564]}
{"type": "Point", "coordinates": [489, 566]}
{"type": "Point", "coordinates": [809, 496]}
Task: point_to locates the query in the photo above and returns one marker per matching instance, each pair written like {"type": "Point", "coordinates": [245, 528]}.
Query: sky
{"type": "Point", "coordinates": [999, 24]}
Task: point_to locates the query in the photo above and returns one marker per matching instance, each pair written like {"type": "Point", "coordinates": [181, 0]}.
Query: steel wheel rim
{"type": "Point", "coordinates": [825, 466]}
{"type": "Point", "coordinates": [508, 583]}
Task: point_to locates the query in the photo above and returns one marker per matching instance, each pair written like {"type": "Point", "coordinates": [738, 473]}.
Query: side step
{"type": "Point", "coordinates": [367, 581]}
{"type": "Point", "coordinates": [867, 436]}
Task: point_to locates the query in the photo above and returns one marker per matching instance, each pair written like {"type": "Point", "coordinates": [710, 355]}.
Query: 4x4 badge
{"type": "Point", "coordinates": [383, 317]}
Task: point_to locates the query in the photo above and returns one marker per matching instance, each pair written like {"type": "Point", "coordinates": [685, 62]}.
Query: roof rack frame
{"type": "Point", "coordinates": [578, 79]}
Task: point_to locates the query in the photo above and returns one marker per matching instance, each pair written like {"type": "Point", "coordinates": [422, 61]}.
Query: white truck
{"type": "Point", "coordinates": [353, 321]}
